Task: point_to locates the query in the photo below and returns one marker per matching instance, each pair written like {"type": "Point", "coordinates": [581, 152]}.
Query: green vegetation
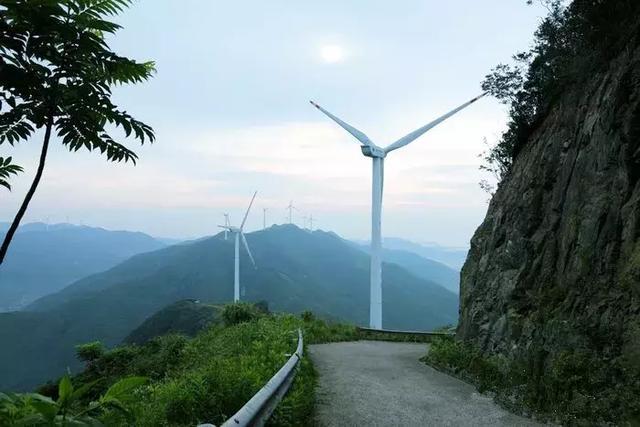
{"type": "Point", "coordinates": [186, 317]}
{"type": "Point", "coordinates": [7, 168]}
{"type": "Point", "coordinates": [297, 271]}
{"type": "Point", "coordinates": [57, 74]}
{"type": "Point", "coordinates": [578, 388]}
{"type": "Point", "coordinates": [572, 43]}
{"type": "Point", "coordinates": [32, 409]}
{"type": "Point", "coordinates": [207, 378]}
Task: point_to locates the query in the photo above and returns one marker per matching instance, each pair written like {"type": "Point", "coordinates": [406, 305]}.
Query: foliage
{"type": "Point", "coordinates": [34, 409]}
{"type": "Point", "coordinates": [6, 170]}
{"type": "Point", "coordinates": [57, 71]}
{"type": "Point", "coordinates": [240, 312]}
{"type": "Point", "coordinates": [209, 377]}
{"type": "Point", "coordinates": [56, 74]}
{"type": "Point", "coordinates": [577, 387]}
{"type": "Point", "coordinates": [185, 317]}
{"type": "Point", "coordinates": [89, 352]}
{"type": "Point", "coordinates": [571, 44]}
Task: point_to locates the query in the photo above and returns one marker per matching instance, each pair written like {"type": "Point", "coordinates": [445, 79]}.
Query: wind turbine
{"type": "Point", "coordinates": [226, 224]}
{"type": "Point", "coordinates": [238, 231]}
{"type": "Point", "coordinates": [291, 208]}
{"type": "Point", "coordinates": [377, 154]}
{"type": "Point", "coordinates": [308, 220]}
{"type": "Point", "coordinates": [264, 218]}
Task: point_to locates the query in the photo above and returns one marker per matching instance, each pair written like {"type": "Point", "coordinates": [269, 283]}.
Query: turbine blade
{"type": "Point", "coordinates": [226, 227]}
{"type": "Point", "coordinates": [360, 136]}
{"type": "Point", "coordinates": [247, 213]}
{"type": "Point", "coordinates": [418, 132]}
{"type": "Point", "coordinates": [246, 246]}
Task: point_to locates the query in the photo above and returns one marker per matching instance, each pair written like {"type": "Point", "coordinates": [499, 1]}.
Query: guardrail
{"type": "Point", "coordinates": [422, 336]}
{"type": "Point", "coordinates": [258, 409]}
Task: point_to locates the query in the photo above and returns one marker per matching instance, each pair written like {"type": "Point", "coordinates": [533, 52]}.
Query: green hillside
{"type": "Point", "coordinates": [44, 258]}
{"type": "Point", "coordinates": [297, 271]}
{"type": "Point", "coordinates": [186, 317]}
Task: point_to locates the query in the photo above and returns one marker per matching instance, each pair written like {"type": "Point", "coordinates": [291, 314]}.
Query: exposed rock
{"type": "Point", "coordinates": [555, 265]}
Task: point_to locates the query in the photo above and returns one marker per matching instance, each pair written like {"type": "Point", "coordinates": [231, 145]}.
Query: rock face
{"type": "Point", "coordinates": [556, 263]}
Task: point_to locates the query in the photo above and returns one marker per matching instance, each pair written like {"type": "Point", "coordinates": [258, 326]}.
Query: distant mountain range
{"type": "Point", "coordinates": [44, 258]}
{"type": "Point", "coordinates": [451, 256]}
{"type": "Point", "coordinates": [297, 270]}
{"type": "Point", "coordinates": [421, 267]}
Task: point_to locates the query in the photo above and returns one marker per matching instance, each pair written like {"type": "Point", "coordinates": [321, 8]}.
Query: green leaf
{"type": "Point", "coordinates": [122, 390]}
{"type": "Point", "coordinates": [65, 390]}
{"type": "Point", "coordinates": [83, 389]}
{"type": "Point", "coordinates": [44, 405]}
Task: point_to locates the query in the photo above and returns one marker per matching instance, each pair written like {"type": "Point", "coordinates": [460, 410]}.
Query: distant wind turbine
{"type": "Point", "coordinates": [239, 234]}
{"type": "Point", "coordinates": [264, 218]}
{"type": "Point", "coordinates": [377, 154]}
{"type": "Point", "coordinates": [291, 208]}
{"type": "Point", "coordinates": [308, 220]}
{"type": "Point", "coordinates": [226, 224]}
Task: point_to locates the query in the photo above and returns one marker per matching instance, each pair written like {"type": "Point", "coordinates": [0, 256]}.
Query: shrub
{"type": "Point", "coordinates": [89, 352]}
{"type": "Point", "coordinates": [240, 312]}
{"type": "Point", "coordinates": [209, 377]}
{"type": "Point", "coordinates": [307, 316]}
{"type": "Point", "coordinates": [32, 409]}
{"type": "Point", "coordinates": [572, 386]}
{"type": "Point", "coordinates": [571, 44]}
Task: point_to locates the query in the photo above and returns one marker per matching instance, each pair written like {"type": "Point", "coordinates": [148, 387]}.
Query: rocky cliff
{"type": "Point", "coordinates": [555, 266]}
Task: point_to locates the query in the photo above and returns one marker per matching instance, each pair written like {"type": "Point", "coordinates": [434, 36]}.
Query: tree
{"type": "Point", "coordinates": [56, 74]}
{"type": "Point", "coordinates": [7, 168]}
{"type": "Point", "coordinates": [90, 352]}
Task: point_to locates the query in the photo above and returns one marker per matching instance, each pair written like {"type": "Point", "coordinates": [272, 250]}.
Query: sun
{"type": "Point", "coordinates": [332, 53]}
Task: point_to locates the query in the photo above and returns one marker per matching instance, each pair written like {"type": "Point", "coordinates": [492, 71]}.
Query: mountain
{"type": "Point", "coordinates": [452, 257]}
{"type": "Point", "coordinates": [421, 267]}
{"type": "Point", "coordinates": [297, 270]}
{"type": "Point", "coordinates": [43, 258]}
{"type": "Point", "coordinates": [186, 317]}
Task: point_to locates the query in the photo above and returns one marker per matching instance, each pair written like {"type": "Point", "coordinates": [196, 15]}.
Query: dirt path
{"type": "Point", "coordinates": [376, 383]}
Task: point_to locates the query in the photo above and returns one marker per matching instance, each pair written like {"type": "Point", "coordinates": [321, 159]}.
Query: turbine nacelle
{"type": "Point", "coordinates": [373, 151]}
{"type": "Point", "coordinates": [230, 228]}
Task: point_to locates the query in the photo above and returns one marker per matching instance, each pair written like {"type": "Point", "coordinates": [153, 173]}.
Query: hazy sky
{"type": "Point", "coordinates": [229, 105]}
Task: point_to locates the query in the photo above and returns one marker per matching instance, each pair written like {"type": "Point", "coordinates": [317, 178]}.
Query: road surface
{"type": "Point", "coordinates": [377, 383]}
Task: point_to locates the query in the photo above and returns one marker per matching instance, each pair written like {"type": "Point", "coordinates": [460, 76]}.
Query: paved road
{"type": "Point", "coordinates": [376, 383]}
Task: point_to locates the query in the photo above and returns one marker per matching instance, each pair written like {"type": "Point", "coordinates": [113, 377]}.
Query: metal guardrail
{"type": "Point", "coordinates": [258, 409]}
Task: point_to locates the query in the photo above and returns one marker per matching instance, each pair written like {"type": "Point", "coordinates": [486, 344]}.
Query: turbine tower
{"type": "Point", "coordinates": [239, 234]}
{"type": "Point", "coordinates": [291, 208]}
{"type": "Point", "coordinates": [264, 218]}
{"type": "Point", "coordinates": [377, 154]}
{"type": "Point", "coordinates": [226, 224]}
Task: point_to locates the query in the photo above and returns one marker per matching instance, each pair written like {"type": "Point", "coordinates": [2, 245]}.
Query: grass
{"type": "Point", "coordinates": [571, 387]}
{"type": "Point", "coordinates": [209, 377]}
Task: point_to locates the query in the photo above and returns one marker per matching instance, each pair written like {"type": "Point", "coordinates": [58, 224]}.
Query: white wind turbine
{"type": "Point", "coordinates": [377, 154]}
{"type": "Point", "coordinates": [226, 224]}
{"type": "Point", "coordinates": [291, 208]}
{"type": "Point", "coordinates": [238, 231]}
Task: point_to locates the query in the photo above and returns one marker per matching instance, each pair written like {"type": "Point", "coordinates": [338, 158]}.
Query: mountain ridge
{"type": "Point", "coordinates": [297, 271]}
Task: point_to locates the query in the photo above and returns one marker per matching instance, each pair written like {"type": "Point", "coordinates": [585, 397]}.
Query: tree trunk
{"type": "Point", "coordinates": [25, 203]}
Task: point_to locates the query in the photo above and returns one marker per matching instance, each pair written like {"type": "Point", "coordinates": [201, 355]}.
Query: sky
{"type": "Point", "coordinates": [229, 106]}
